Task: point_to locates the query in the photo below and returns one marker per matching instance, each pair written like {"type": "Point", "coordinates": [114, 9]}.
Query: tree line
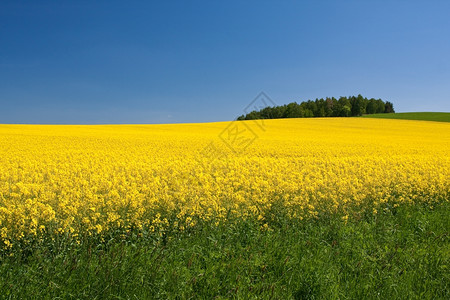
{"type": "Point", "coordinates": [329, 107]}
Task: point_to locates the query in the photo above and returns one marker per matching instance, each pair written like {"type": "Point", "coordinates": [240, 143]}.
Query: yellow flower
{"type": "Point", "coordinates": [91, 179]}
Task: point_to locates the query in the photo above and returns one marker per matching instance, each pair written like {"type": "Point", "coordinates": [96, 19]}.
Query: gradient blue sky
{"type": "Point", "coordinates": [198, 61]}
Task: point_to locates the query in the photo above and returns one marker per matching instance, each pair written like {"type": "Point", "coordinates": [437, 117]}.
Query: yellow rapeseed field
{"type": "Point", "coordinates": [78, 180]}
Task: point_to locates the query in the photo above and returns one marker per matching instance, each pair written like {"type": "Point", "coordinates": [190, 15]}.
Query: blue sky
{"type": "Point", "coordinates": [90, 62]}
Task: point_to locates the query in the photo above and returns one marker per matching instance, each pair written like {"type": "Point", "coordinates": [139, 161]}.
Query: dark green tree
{"type": "Point", "coordinates": [389, 107]}
{"type": "Point", "coordinates": [371, 106]}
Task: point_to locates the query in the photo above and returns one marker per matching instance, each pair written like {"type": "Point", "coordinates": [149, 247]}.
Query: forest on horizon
{"type": "Point", "coordinates": [329, 107]}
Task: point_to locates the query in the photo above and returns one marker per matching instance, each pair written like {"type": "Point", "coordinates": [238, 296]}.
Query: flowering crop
{"type": "Point", "coordinates": [76, 180]}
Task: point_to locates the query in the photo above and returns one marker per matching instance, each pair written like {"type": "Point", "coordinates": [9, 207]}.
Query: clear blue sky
{"type": "Point", "coordinates": [199, 61]}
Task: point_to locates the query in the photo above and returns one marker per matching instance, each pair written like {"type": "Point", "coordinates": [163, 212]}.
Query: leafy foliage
{"type": "Point", "coordinates": [328, 107]}
{"type": "Point", "coordinates": [397, 253]}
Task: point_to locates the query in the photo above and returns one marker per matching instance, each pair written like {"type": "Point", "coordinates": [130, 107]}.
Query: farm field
{"type": "Point", "coordinates": [291, 208]}
{"type": "Point", "coordinates": [425, 116]}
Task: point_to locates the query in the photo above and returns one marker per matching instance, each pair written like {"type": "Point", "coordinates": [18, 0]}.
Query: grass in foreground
{"type": "Point", "coordinates": [424, 116]}
{"type": "Point", "coordinates": [400, 252]}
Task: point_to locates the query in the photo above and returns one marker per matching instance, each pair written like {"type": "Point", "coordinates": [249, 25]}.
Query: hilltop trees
{"type": "Point", "coordinates": [389, 107]}
{"type": "Point", "coordinates": [328, 107]}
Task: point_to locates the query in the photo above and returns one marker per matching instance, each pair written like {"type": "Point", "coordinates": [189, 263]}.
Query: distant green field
{"type": "Point", "coordinates": [425, 116]}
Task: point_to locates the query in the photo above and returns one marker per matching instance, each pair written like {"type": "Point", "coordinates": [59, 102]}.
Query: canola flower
{"type": "Point", "coordinates": [76, 180]}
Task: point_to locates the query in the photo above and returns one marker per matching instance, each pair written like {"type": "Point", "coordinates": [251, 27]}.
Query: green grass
{"type": "Point", "coordinates": [400, 252]}
{"type": "Point", "coordinates": [425, 116]}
